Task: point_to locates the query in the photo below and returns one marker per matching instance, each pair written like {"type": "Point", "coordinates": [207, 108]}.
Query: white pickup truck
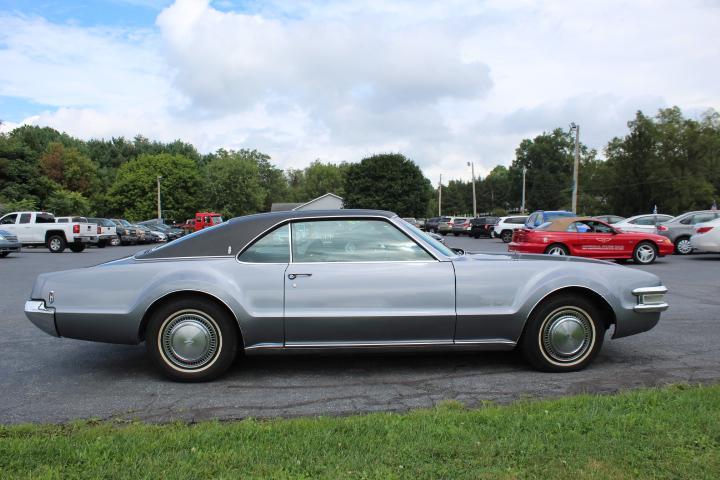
{"type": "Point", "coordinates": [40, 228]}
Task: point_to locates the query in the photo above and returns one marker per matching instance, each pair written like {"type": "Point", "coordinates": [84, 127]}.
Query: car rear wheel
{"type": "Point", "coordinates": [557, 249]}
{"type": "Point", "coordinates": [645, 253]}
{"type": "Point", "coordinates": [4, 254]}
{"type": "Point", "coordinates": [192, 340]}
{"type": "Point", "coordinates": [56, 244]}
{"type": "Point", "coordinates": [683, 246]}
{"type": "Point", "coordinates": [115, 241]}
{"type": "Point", "coordinates": [101, 244]}
{"type": "Point", "coordinates": [564, 334]}
{"type": "Point", "coordinates": [506, 236]}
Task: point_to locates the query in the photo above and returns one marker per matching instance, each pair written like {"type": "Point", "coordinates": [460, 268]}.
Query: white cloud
{"type": "Point", "coordinates": [444, 82]}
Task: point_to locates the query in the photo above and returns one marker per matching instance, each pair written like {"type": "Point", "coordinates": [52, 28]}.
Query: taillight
{"type": "Point", "coordinates": [76, 228]}
{"type": "Point", "coordinates": [99, 230]}
{"type": "Point", "coordinates": [662, 228]}
{"type": "Point", "coordinates": [703, 229]}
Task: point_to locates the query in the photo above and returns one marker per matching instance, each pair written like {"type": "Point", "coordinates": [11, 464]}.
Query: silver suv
{"type": "Point", "coordinates": [680, 229]}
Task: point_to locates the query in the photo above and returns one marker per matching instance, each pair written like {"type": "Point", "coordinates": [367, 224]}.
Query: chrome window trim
{"type": "Point", "coordinates": [426, 247]}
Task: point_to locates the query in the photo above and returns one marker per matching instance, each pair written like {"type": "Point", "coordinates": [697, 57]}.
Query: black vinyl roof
{"type": "Point", "coordinates": [230, 237]}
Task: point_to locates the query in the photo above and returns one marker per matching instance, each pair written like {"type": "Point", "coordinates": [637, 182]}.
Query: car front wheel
{"type": "Point", "coordinates": [192, 340]}
{"type": "Point", "coordinates": [506, 236]}
{"type": "Point", "coordinates": [563, 335]}
{"type": "Point", "coordinates": [645, 253]}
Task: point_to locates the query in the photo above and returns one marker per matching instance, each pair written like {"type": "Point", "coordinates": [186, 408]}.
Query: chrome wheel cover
{"type": "Point", "coordinates": [684, 246]}
{"type": "Point", "coordinates": [567, 335]}
{"type": "Point", "coordinates": [645, 254]}
{"type": "Point", "coordinates": [190, 340]}
{"type": "Point", "coordinates": [55, 244]}
{"type": "Point", "coordinates": [557, 251]}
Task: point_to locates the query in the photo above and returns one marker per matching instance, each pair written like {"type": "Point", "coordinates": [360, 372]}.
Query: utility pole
{"type": "Point", "coordinates": [522, 205]}
{"type": "Point", "coordinates": [440, 197]}
{"type": "Point", "coordinates": [159, 204]}
{"type": "Point", "coordinates": [472, 170]}
{"type": "Point", "coordinates": [574, 126]}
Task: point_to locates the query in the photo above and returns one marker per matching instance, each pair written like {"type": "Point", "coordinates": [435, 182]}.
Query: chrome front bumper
{"type": "Point", "coordinates": [650, 299]}
{"type": "Point", "coordinates": [43, 317]}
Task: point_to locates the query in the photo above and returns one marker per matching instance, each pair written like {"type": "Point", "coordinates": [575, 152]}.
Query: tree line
{"type": "Point", "coordinates": [668, 161]}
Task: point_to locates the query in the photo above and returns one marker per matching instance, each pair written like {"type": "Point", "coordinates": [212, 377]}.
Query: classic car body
{"type": "Point", "coordinates": [324, 280]}
{"type": "Point", "coordinates": [589, 237]}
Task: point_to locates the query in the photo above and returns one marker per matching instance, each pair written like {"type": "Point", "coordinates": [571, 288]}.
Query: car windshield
{"type": "Point", "coordinates": [125, 223]}
{"type": "Point", "coordinates": [434, 243]}
{"type": "Point", "coordinates": [216, 220]}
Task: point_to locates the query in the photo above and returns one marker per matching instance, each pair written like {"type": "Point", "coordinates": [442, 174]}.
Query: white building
{"type": "Point", "coordinates": [329, 201]}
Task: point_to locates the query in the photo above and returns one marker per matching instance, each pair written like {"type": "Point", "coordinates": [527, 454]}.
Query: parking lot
{"type": "Point", "coordinates": [45, 379]}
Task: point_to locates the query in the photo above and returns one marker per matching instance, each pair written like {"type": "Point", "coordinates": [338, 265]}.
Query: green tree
{"type": "Point", "coordinates": [234, 185]}
{"type": "Point", "coordinates": [388, 181]}
{"type": "Point", "coordinates": [64, 203]}
{"type": "Point", "coordinates": [134, 193]}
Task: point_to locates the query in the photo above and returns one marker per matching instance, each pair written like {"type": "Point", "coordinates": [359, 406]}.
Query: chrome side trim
{"type": "Point", "coordinates": [380, 344]}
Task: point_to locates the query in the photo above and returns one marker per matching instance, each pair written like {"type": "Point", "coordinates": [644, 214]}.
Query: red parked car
{"type": "Point", "coordinates": [589, 237]}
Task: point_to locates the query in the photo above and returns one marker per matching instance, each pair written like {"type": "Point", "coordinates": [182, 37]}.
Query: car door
{"type": "Point", "coordinates": [8, 223]}
{"type": "Point", "coordinates": [27, 231]}
{"type": "Point", "coordinates": [364, 282]}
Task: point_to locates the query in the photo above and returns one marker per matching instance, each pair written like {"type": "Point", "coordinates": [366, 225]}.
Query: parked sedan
{"type": "Point", "coordinates": [706, 237]}
{"type": "Point", "coordinates": [680, 229]}
{"type": "Point", "coordinates": [341, 280]}
{"type": "Point", "coordinates": [647, 223]}
{"type": "Point", "coordinates": [8, 244]}
{"type": "Point", "coordinates": [588, 237]}
{"type": "Point", "coordinates": [461, 226]}
{"type": "Point", "coordinates": [445, 225]}
{"type": "Point", "coordinates": [609, 219]}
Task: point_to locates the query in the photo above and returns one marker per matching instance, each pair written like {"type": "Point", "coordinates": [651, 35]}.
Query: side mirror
{"type": "Point", "coordinates": [459, 251]}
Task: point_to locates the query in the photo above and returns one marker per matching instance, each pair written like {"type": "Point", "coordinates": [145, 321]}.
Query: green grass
{"type": "Point", "coordinates": [660, 433]}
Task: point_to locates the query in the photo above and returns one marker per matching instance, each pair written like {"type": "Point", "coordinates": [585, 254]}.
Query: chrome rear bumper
{"type": "Point", "coordinates": [43, 317]}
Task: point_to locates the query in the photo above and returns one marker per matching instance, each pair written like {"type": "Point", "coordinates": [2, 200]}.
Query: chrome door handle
{"type": "Point", "coordinates": [293, 276]}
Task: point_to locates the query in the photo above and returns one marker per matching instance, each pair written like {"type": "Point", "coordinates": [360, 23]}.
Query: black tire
{"type": "Point", "coordinates": [56, 243]}
{"type": "Point", "coordinates": [4, 254]}
{"type": "Point", "coordinates": [557, 249]}
{"type": "Point", "coordinates": [77, 247]}
{"type": "Point", "coordinates": [456, 234]}
{"type": "Point", "coordinates": [102, 244]}
{"type": "Point", "coordinates": [682, 246]}
{"type": "Point", "coordinates": [506, 236]}
{"type": "Point", "coordinates": [476, 235]}
{"type": "Point", "coordinates": [645, 253]}
{"type": "Point", "coordinates": [204, 319]}
{"type": "Point", "coordinates": [579, 330]}
{"type": "Point", "coordinates": [443, 233]}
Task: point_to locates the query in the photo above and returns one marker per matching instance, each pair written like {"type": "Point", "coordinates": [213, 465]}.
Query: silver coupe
{"type": "Point", "coordinates": [342, 280]}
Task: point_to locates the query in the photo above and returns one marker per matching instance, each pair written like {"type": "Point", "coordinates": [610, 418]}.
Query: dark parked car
{"type": "Point", "coordinates": [482, 226]}
{"type": "Point", "coordinates": [431, 224]}
{"type": "Point", "coordinates": [172, 233]}
{"type": "Point", "coordinates": [125, 231]}
{"type": "Point", "coordinates": [539, 217]}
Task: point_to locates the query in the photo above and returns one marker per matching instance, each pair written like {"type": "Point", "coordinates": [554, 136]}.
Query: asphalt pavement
{"type": "Point", "coordinates": [46, 379]}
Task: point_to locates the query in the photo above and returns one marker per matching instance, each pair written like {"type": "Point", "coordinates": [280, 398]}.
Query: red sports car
{"type": "Point", "coordinates": [589, 237]}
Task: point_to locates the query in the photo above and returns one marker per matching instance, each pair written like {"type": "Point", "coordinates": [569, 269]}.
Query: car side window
{"type": "Point", "coordinates": [25, 218]}
{"type": "Point", "coordinates": [9, 219]}
{"type": "Point", "coordinates": [274, 247]}
{"type": "Point", "coordinates": [353, 240]}
{"type": "Point", "coordinates": [644, 221]}
{"type": "Point", "coordinates": [703, 217]}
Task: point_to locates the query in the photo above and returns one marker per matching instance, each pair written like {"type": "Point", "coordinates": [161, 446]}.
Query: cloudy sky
{"type": "Point", "coordinates": [443, 82]}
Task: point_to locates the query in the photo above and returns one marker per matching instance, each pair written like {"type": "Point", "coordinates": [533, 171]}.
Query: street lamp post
{"type": "Point", "coordinates": [440, 197]}
{"type": "Point", "coordinates": [522, 205]}
{"type": "Point", "coordinates": [472, 170]}
{"type": "Point", "coordinates": [159, 177]}
{"type": "Point", "coordinates": [576, 127]}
